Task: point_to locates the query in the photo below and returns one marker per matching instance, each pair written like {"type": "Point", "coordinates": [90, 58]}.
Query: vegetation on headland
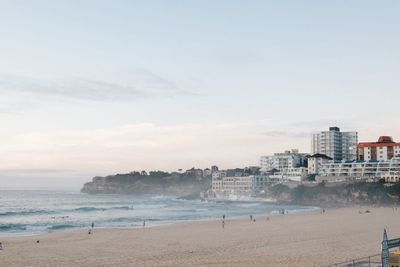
{"type": "Point", "coordinates": [154, 182]}
{"type": "Point", "coordinates": [356, 193]}
{"type": "Point", "coordinates": [190, 184]}
{"type": "Point", "coordinates": [186, 184]}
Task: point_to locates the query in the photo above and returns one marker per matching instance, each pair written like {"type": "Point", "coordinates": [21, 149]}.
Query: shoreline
{"type": "Point", "coordinates": [303, 239]}
{"type": "Point", "coordinates": [304, 209]}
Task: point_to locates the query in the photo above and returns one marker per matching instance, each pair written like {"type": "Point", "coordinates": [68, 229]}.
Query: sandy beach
{"type": "Point", "coordinates": [311, 239]}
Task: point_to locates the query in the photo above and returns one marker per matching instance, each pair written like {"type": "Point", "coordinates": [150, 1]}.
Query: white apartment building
{"type": "Point", "coordinates": [291, 174]}
{"type": "Point", "coordinates": [360, 169]}
{"type": "Point", "coordinates": [282, 161]}
{"type": "Point", "coordinates": [335, 144]}
{"type": "Point", "coordinates": [266, 163]}
{"type": "Point", "coordinates": [217, 184]}
{"type": "Point", "coordinates": [316, 161]}
{"type": "Point", "coordinates": [238, 185]}
{"type": "Point", "coordinates": [217, 175]}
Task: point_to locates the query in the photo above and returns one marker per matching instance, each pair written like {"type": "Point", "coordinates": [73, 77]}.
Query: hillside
{"type": "Point", "coordinates": [156, 182]}
{"type": "Point", "coordinates": [358, 193]}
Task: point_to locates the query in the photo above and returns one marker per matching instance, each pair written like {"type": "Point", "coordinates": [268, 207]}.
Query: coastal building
{"type": "Point", "coordinates": [217, 175]}
{"type": "Point", "coordinates": [266, 163]}
{"type": "Point", "coordinates": [216, 184]}
{"type": "Point", "coordinates": [358, 170]}
{"type": "Point", "coordinates": [335, 144]}
{"type": "Point", "coordinates": [384, 149]}
{"type": "Point", "coordinates": [291, 174]}
{"type": "Point", "coordinates": [391, 178]}
{"type": "Point", "coordinates": [283, 161]}
{"type": "Point", "coordinates": [237, 186]}
{"type": "Point", "coordinates": [316, 161]}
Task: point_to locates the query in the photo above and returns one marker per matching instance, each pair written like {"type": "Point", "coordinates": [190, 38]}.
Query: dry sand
{"type": "Point", "coordinates": [311, 239]}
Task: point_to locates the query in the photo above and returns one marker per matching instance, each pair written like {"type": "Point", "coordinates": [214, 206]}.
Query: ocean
{"type": "Point", "coordinates": [30, 212]}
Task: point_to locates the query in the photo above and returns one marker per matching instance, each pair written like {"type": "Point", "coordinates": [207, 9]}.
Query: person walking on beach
{"type": "Point", "coordinates": [92, 225]}
{"type": "Point", "coordinates": [1, 246]}
{"type": "Point", "coordinates": [223, 224]}
{"type": "Point", "coordinates": [251, 218]}
{"type": "Point", "coordinates": [144, 223]}
{"type": "Point", "coordinates": [223, 217]}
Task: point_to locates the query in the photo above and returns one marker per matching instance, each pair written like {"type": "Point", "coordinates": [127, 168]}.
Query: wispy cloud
{"type": "Point", "coordinates": [140, 84]}
{"type": "Point", "coordinates": [11, 106]}
{"type": "Point", "coordinates": [287, 134]}
{"type": "Point", "coordinates": [324, 124]}
{"type": "Point", "coordinates": [155, 84]}
{"type": "Point", "coordinates": [130, 146]}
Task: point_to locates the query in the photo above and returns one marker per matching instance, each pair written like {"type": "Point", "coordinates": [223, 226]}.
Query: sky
{"type": "Point", "coordinates": [101, 87]}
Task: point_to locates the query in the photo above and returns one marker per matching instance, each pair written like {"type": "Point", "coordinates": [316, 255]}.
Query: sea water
{"type": "Point", "coordinates": [29, 212]}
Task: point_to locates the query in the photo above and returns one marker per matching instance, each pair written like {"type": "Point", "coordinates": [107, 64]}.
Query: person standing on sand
{"type": "Point", "coordinates": [92, 225]}
{"type": "Point", "coordinates": [223, 217]}
{"type": "Point", "coordinates": [223, 224]}
{"type": "Point", "coordinates": [144, 223]}
{"type": "Point", "coordinates": [251, 218]}
{"type": "Point", "coordinates": [1, 246]}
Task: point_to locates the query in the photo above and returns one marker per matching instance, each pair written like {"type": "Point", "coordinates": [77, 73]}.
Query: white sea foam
{"type": "Point", "coordinates": [32, 212]}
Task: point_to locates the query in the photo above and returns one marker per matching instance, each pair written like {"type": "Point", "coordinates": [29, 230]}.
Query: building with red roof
{"type": "Point", "coordinates": [384, 149]}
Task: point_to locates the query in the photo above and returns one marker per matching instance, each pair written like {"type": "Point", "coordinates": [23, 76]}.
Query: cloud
{"type": "Point", "coordinates": [83, 153]}
{"type": "Point", "coordinates": [138, 84]}
{"type": "Point", "coordinates": [12, 106]}
{"type": "Point", "coordinates": [142, 146]}
{"type": "Point", "coordinates": [155, 84]}
{"type": "Point", "coordinates": [287, 134]}
{"type": "Point", "coordinates": [324, 124]}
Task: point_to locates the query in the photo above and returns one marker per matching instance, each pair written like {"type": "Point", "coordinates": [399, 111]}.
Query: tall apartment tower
{"type": "Point", "coordinates": [335, 144]}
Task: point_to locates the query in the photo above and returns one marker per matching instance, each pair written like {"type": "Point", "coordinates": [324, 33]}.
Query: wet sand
{"type": "Point", "coordinates": [311, 239]}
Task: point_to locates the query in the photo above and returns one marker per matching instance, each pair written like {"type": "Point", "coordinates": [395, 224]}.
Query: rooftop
{"type": "Point", "coordinates": [382, 141]}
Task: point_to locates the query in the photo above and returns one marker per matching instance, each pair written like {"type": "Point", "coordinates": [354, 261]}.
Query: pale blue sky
{"type": "Point", "coordinates": [97, 87]}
